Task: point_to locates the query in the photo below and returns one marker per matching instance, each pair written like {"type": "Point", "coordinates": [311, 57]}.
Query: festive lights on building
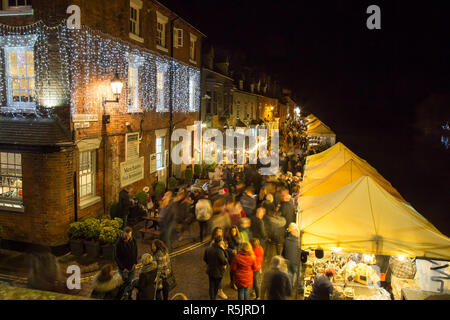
{"type": "Point", "coordinates": [87, 61]}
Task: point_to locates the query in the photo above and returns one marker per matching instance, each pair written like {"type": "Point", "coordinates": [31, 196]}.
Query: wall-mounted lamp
{"type": "Point", "coordinates": [116, 87]}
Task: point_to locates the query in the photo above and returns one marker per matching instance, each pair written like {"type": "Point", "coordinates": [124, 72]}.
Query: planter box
{"type": "Point", "coordinates": [92, 249]}
{"type": "Point", "coordinates": [108, 252]}
{"type": "Point", "coordinates": [77, 247]}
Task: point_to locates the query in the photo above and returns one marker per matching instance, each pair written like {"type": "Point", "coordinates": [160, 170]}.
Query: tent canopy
{"type": "Point", "coordinates": [311, 117]}
{"type": "Point", "coordinates": [363, 217]}
{"type": "Point", "coordinates": [327, 154]}
{"type": "Point", "coordinates": [346, 174]}
{"type": "Point", "coordinates": [323, 169]}
{"type": "Point", "coordinates": [319, 129]}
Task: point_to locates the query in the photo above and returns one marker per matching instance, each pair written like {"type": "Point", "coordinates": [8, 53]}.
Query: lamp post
{"type": "Point", "coordinates": [116, 86]}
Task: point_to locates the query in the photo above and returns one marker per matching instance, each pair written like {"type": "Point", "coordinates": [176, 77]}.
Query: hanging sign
{"type": "Point", "coordinates": [153, 168]}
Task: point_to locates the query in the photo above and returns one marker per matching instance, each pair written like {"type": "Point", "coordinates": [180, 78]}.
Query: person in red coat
{"type": "Point", "coordinates": [259, 258]}
{"type": "Point", "coordinates": [243, 266]}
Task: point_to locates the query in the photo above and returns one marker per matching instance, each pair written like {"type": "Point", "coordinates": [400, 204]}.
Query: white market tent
{"type": "Point", "coordinates": [346, 174]}
{"type": "Point", "coordinates": [363, 217]}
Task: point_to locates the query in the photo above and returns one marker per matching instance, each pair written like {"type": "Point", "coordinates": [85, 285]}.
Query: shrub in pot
{"type": "Point", "coordinates": [92, 230]}
{"type": "Point", "coordinates": [188, 176]}
{"type": "Point", "coordinates": [198, 171]}
{"type": "Point", "coordinates": [108, 237]}
{"type": "Point", "coordinates": [76, 234]}
{"type": "Point", "coordinates": [172, 183]}
{"type": "Point", "coordinates": [160, 189]}
{"type": "Point", "coordinates": [142, 198]}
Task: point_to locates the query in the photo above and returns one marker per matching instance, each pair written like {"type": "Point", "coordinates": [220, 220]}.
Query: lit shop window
{"type": "Point", "coordinates": [160, 144]}
{"type": "Point", "coordinates": [87, 174]}
{"type": "Point", "coordinates": [11, 180]}
{"type": "Point", "coordinates": [20, 77]}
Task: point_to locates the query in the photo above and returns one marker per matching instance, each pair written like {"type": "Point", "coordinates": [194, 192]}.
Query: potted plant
{"type": "Point", "coordinates": [198, 171]}
{"type": "Point", "coordinates": [91, 235]}
{"type": "Point", "coordinates": [188, 176]}
{"type": "Point", "coordinates": [142, 198]}
{"type": "Point", "coordinates": [172, 183]}
{"type": "Point", "coordinates": [160, 189]}
{"type": "Point", "coordinates": [76, 234]}
{"type": "Point", "coordinates": [211, 169]}
{"type": "Point", "coordinates": [108, 237]}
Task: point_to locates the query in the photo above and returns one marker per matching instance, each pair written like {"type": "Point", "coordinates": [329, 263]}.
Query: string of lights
{"type": "Point", "coordinates": [87, 61]}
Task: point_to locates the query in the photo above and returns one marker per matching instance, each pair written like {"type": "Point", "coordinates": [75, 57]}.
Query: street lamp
{"type": "Point", "coordinates": [116, 87]}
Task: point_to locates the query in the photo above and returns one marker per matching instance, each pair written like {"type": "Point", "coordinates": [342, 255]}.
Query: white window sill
{"type": "Point", "coordinates": [162, 48]}
{"type": "Point", "coordinates": [160, 169]}
{"type": "Point", "coordinates": [12, 207]}
{"type": "Point", "coordinates": [134, 111]}
{"type": "Point", "coordinates": [86, 203]}
{"type": "Point", "coordinates": [8, 109]}
{"type": "Point", "coordinates": [135, 37]}
{"type": "Point", "coordinates": [16, 12]}
{"type": "Point", "coordinates": [192, 61]}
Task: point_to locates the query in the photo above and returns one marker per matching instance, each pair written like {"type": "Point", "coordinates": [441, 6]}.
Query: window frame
{"type": "Point", "coordinates": [9, 79]}
{"type": "Point", "coordinates": [160, 156]}
{"type": "Point", "coordinates": [12, 205]}
{"type": "Point", "coordinates": [93, 174]}
{"type": "Point", "coordinates": [193, 49]}
{"type": "Point", "coordinates": [161, 39]}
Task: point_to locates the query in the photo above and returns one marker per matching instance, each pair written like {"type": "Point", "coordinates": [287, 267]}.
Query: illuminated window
{"type": "Point", "coordinates": [160, 145]}
{"type": "Point", "coordinates": [11, 180]}
{"type": "Point", "coordinates": [87, 174]}
{"type": "Point", "coordinates": [133, 88]}
{"type": "Point", "coordinates": [192, 95]}
{"type": "Point", "coordinates": [20, 77]}
{"type": "Point", "coordinates": [160, 107]}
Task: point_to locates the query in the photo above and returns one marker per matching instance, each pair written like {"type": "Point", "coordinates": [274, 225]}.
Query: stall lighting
{"type": "Point", "coordinates": [336, 249]}
{"type": "Point", "coordinates": [402, 258]}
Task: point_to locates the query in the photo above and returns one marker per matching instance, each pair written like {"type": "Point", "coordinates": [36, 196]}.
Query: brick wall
{"type": "Point", "coordinates": [48, 200]}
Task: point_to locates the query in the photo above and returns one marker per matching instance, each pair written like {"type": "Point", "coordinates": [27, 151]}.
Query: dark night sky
{"type": "Point", "coordinates": [368, 86]}
{"type": "Point", "coordinates": [323, 51]}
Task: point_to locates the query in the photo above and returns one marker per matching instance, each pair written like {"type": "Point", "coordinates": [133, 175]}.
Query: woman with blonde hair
{"type": "Point", "coordinates": [243, 266]}
{"type": "Point", "coordinates": [147, 284]}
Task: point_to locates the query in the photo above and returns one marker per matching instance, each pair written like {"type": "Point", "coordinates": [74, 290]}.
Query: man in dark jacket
{"type": "Point", "coordinates": [248, 202]}
{"type": "Point", "coordinates": [287, 209]}
{"type": "Point", "coordinates": [322, 287]}
{"type": "Point", "coordinates": [258, 228]}
{"type": "Point", "coordinates": [125, 253]}
{"type": "Point", "coordinates": [276, 283]}
{"type": "Point", "coordinates": [216, 260]}
{"type": "Point", "coordinates": [125, 204]}
{"type": "Point", "coordinates": [291, 251]}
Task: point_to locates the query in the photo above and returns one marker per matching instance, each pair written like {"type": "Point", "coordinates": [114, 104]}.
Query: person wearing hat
{"type": "Point", "coordinates": [323, 288]}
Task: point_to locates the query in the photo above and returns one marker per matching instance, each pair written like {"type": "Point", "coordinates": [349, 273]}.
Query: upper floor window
{"type": "Point", "coordinates": [178, 38]}
{"type": "Point", "coordinates": [18, 3]}
{"type": "Point", "coordinates": [161, 22]}
{"type": "Point", "coordinates": [11, 196]}
{"type": "Point", "coordinates": [192, 94]}
{"type": "Point", "coordinates": [133, 86]}
{"type": "Point", "coordinates": [20, 77]}
{"type": "Point", "coordinates": [160, 103]}
{"type": "Point", "coordinates": [193, 48]}
{"type": "Point", "coordinates": [135, 17]}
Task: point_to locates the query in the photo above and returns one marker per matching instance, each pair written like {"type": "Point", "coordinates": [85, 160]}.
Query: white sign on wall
{"type": "Point", "coordinates": [153, 168]}
{"type": "Point", "coordinates": [131, 172]}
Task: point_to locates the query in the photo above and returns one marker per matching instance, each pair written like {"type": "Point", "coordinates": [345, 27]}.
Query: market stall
{"type": "Point", "coordinates": [364, 218]}
{"type": "Point", "coordinates": [346, 174]}
{"type": "Point", "coordinates": [318, 133]}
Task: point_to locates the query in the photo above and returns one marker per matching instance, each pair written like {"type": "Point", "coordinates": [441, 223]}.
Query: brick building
{"type": "Point", "coordinates": [67, 146]}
